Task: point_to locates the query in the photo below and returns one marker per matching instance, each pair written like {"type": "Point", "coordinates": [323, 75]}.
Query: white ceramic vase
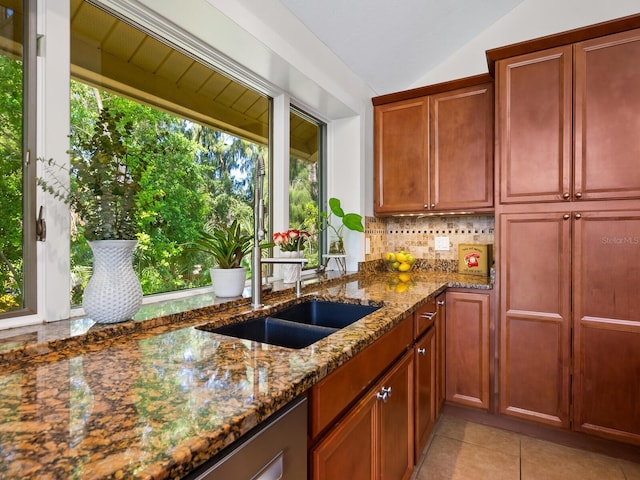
{"type": "Point", "coordinates": [113, 293]}
{"type": "Point", "coordinates": [291, 272]}
{"type": "Point", "coordinates": [228, 282]}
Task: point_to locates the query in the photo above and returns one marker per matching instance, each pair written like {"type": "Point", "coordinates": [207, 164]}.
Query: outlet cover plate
{"type": "Point", "coordinates": [442, 244]}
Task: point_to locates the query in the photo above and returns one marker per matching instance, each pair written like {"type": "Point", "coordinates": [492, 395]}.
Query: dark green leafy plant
{"type": "Point", "coordinates": [105, 179]}
{"type": "Point", "coordinates": [227, 244]}
{"type": "Point", "coordinates": [352, 221]}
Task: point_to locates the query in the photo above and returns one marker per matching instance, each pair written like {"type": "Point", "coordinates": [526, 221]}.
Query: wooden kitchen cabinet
{"type": "Point", "coordinates": [566, 121]}
{"type": "Point", "coordinates": [567, 271]}
{"type": "Point", "coordinates": [440, 352]}
{"type": "Point", "coordinates": [606, 342]}
{"type": "Point", "coordinates": [535, 316]}
{"type": "Point", "coordinates": [467, 349]}
{"type": "Point", "coordinates": [361, 415]}
{"type": "Point", "coordinates": [425, 389]}
{"type": "Point", "coordinates": [434, 152]}
{"type": "Point", "coordinates": [374, 441]}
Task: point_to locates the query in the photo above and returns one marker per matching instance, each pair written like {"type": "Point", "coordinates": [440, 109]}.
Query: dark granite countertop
{"type": "Point", "coordinates": [153, 399]}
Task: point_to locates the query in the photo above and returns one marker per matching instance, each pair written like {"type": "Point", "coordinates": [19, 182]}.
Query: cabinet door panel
{"type": "Point", "coordinates": [535, 317]}
{"type": "Point", "coordinates": [534, 108]}
{"type": "Point", "coordinates": [425, 390]}
{"type": "Point", "coordinates": [461, 148]}
{"type": "Point", "coordinates": [607, 331]}
{"type": "Point", "coordinates": [396, 422]}
{"type": "Point", "coordinates": [467, 349]}
{"type": "Point", "coordinates": [401, 156]}
{"type": "Point", "coordinates": [607, 101]}
{"type": "Point", "coordinates": [349, 450]}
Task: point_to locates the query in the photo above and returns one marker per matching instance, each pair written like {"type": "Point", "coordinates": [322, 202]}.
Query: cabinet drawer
{"type": "Point", "coordinates": [334, 393]}
{"type": "Point", "coordinates": [425, 317]}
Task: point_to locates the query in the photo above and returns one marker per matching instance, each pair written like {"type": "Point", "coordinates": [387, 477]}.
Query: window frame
{"type": "Point", "coordinates": [29, 163]}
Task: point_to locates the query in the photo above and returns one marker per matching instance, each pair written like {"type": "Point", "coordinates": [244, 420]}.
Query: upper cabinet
{"type": "Point", "coordinates": [434, 148]}
{"type": "Point", "coordinates": [567, 122]}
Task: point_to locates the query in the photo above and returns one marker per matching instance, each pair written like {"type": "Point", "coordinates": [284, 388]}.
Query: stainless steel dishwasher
{"type": "Point", "coordinates": [276, 449]}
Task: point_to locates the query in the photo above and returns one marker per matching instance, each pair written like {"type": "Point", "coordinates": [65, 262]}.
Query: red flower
{"type": "Point", "coordinates": [291, 240]}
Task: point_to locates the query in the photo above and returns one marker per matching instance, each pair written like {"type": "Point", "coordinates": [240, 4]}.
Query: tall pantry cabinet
{"type": "Point", "coordinates": [568, 218]}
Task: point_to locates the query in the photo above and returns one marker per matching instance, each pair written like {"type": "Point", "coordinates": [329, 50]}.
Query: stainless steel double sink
{"type": "Point", "coordinates": [297, 326]}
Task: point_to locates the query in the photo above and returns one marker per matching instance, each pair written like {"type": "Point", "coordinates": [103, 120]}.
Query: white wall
{"type": "Point", "coordinates": [530, 19]}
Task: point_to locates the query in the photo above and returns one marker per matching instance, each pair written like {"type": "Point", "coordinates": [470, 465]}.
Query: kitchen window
{"type": "Point", "coordinates": [306, 161]}
{"type": "Point", "coordinates": [203, 129]}
{"type": "Point", "coordinates": [17, 144]}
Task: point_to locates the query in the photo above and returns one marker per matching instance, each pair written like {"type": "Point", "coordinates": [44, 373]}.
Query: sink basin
{"type": "Point", "coordinates": [324, 313]}
{"type": "Point", "coordinates": [276, 332]}
{"type": "Point", "coordinates": [297, 326]}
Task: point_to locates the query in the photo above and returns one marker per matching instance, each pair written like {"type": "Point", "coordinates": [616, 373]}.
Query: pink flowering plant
{"type": "Point", "coordinates": [292, 240]}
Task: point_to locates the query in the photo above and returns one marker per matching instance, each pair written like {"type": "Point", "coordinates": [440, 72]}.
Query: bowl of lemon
{"type": "Point", "coordinates": [399, 261]}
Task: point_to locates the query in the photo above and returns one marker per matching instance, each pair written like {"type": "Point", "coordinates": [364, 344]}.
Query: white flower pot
{"type": "Point", "coordinates": [113, 293]}
{"type": "Point", "coordinates": [291, 272]}
{"type": "Point", "coordinates": [228, 282]}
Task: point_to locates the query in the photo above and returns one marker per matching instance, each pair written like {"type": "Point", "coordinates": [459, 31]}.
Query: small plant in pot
{"type": "Point", "coordinates": [105, 179]}
{"type": "Point", "coordinates": [352, 221]}
{"type": "Point", "coordinates": [228, 245]}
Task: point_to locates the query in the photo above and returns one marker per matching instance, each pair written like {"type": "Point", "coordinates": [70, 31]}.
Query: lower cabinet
{"type": "Point", "coordinates": [374, 440]}
{"type": "Point", "coordinates": [440, 351]}
{"type": "Point", "coordinates": [467, 354]}
{"type": "Point", "coordinates": [425, 389]}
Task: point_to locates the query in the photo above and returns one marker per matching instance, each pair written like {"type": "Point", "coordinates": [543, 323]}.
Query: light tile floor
{"type": "Point", "coordinates": [463, 450]}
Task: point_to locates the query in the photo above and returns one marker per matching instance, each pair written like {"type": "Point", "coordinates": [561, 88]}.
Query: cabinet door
{"type": "Point", "coordinates": [606, 387]}
{"type": "Point", "coordinates": [607, 102]}
{"type": "Point", "coordinates": [396, 422]}
{"type": "Point", "coordinates": [401, 156]}
{"type": "Point", "coordinates": [440, 351]}
{"type": "Point", "coordinates": [534, 126]}
{"type": "Point", "coordinates": [535, 316]}
{"type": "Point", "coordinates": [425, 389]}
{"type": "Point", "coordinates": [349, 450]}
{"type": "Point", "coordinates": [461, 148]}
{"type": "Point", "coordinates": [467, 349]}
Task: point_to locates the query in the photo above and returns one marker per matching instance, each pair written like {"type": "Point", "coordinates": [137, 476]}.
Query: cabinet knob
{"type": "Point", "coordinates": [578, 195]}
{"type": "Point", "coordinates": [577, 216]}
{"type": "Point", "coordinates": [384, 394]}
{"type": "Point", "coordinates": [426, 205]}
{"type": "Point", "coordinates": [566, 196]}
{"type": "Point", "coordinates": [422, 351]}
{"type": "Point", "coordinates": [441, 303]}
{"type": "Point", "coordinates": [566, 216]}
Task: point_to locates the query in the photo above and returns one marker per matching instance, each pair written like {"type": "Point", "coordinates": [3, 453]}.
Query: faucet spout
{"type": "Point", "coordinates": [258, 233]}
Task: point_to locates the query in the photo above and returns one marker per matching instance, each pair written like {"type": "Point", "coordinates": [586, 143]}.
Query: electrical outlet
{"type": "Point", "coordinates": [442, 244]}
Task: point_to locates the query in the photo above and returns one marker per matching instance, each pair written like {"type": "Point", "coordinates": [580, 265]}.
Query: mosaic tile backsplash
{"type": "Point", "coordinates": [417, 234]}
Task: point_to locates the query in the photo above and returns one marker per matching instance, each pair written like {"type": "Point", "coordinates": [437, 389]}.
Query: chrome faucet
{"type": "Point", "coordinates": [258, 236]}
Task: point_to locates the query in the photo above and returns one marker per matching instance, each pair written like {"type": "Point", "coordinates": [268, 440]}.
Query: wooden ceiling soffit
{"type": "Point", "coordinates": [99, 68]}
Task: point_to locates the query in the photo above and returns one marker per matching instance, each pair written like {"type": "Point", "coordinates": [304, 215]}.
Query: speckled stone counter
{"type": "Point", "coordinates": [156, 400]}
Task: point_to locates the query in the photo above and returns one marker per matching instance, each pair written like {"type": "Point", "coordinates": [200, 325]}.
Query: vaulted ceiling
{"type": "Point", "coordinates": [392, 43]}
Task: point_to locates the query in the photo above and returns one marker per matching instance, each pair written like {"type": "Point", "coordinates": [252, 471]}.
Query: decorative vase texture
{"type": "Point", "coordinates": [228, 282]}
{"type": "Point", "coordinates": [291, 271]}
{"type": "Point", "coordinates": [113, 293]}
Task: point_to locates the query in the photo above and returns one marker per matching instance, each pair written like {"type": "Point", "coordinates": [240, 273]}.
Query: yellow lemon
{"type": "Point", "coordinates": [401, 257]}
{"type": "Point", "coordinates": [401, 287]}
{"type": "Point", "coordinates": [404, 277]}
{"type": "Point", "coordinates": [404, 266]}
{"type": "Point", "coordinates": [391, 257]}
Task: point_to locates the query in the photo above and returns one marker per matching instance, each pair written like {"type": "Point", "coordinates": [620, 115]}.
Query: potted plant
{"type": "Point", "coordinates": [227, 245]}
{"type": "Point", "coordinates": [105, 180]}
{"type": "Point", "coordinates": [352, 221]}
{"type": "Point", "coordinates": [291, 244]}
